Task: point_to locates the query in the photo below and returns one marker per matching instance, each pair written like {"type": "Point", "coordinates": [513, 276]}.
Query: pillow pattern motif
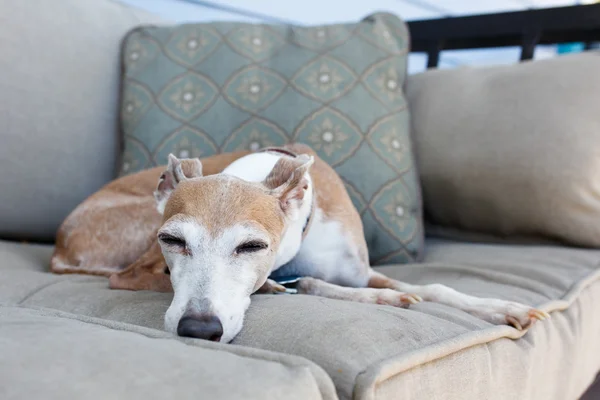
{"type": "Point", "coordinates": [199, 89]}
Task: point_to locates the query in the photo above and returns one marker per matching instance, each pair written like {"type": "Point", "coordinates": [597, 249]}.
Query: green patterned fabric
{"type": "Point", "coordinates": [199, 89]}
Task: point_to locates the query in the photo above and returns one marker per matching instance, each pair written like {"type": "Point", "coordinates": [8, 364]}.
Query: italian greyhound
{"type": "Point", "coordinates": [279, 211]}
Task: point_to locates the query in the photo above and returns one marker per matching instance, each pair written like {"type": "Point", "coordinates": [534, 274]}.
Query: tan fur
{"type": "Point", "coordinates": [116, 225]}
{"type": "Point", "coordinates": [282, 171]}
{"type": "Point", "coordinates": [221, 202]}
{"type": "Point", "coordinates": [380, 281]}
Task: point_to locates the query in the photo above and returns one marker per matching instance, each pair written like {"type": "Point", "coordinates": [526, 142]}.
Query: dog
{"type": "Point", "coordinates": [278, 211]}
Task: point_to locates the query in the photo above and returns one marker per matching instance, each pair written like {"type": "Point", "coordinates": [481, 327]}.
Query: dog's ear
{"type": "Point", "coordinates": [176, 172]}
{"type": "Point", "coordinates": [288, 181]}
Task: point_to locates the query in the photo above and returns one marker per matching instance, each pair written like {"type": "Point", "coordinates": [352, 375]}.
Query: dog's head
{"type": "Point", "coordinates": [221, 237]}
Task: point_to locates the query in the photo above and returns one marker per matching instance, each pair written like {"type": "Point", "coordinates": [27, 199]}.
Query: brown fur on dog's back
{"type": "Point", "coordinates": [116, 225]}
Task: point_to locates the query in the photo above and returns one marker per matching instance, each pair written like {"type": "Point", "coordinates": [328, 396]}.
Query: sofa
{"type": "Point", "coordinates": [70, 336]}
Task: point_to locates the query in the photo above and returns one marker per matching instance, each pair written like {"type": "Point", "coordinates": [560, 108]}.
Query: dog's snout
{"type": "Point", "coordinates": [207, 327]}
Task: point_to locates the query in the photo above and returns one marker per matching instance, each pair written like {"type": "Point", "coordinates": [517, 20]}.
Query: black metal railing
{"type": "Point", "coordinates": [526, 29]}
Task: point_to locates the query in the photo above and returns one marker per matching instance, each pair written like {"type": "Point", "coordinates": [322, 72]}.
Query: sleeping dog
{"type": "Point", "coordinates": [223, 226]}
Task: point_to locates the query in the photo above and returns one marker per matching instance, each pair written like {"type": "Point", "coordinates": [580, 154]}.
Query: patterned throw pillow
{"type": "Point", "coordinates": [200, 89]}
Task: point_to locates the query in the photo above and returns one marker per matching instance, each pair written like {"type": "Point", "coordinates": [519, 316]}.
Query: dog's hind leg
{"type": "Point", "coordinates": [495, 311]}
{"type": "Point", "coordinates": [149, 272]}
{"type": "Point", "coordinates": [318, 287]}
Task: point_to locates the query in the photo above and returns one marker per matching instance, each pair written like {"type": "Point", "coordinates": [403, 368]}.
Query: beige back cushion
{"type": "Point", "coordinates": [59, 103]}
{"type": "Point", "coordinates": [512, 150]}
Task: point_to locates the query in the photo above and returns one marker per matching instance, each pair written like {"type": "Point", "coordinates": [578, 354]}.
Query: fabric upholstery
{"type": "Point", "coordinates": [375, 351]}
{"type": "Point", "coordinates": [199, 89]}
{"type": "Point", "coordinates": [53, 355]}
{"type": "Point", "coordinates": [511, 150]}
{"type": "Point", "coordinates": [59, 91]}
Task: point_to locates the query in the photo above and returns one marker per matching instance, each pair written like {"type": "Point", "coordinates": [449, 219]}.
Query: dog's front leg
{"type": "Point", "coordinates": [318, 287]}
{"type": "Point", "coordinates": [270, 287]}
{"type": "Point", "coordinates": [495, 311]}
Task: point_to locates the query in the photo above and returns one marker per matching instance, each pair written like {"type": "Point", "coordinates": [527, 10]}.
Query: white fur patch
{"type": "Point", "coordinates": [327, 254]}
{"type": "Point", "coordinates": [161, 200]}
{"type": "Point", "coordinates": [254, 167]}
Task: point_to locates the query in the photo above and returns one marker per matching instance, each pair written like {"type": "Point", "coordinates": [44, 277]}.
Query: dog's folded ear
{"type": "Point", "coordinates": [288, 181]}
{"type": "Point", "coordinates": [176, 172]}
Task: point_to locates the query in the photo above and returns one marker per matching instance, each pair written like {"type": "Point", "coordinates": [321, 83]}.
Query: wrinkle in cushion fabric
{"type": "Point", "coordinates": [427, 351]}
{"type": "Point", "coordinates": [511, 150]}
{"type": "Point", "coordinates": [199, 89]}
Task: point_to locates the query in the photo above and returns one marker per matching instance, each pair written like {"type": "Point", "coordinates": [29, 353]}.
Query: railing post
{"type": "Point", "coordinates": [433, 54]}
{"type": "Point", "coordinates": [530, 40]}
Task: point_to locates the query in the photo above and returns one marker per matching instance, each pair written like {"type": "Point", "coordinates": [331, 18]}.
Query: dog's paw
{"type": "Point", "coordinates": [271, 287]}
{"type": "Point", "coordinates": [523, 321]}
{"type": "Point", "coordinates": [502, 312]}
{"type": "Point", "coordinates": [397, 299]}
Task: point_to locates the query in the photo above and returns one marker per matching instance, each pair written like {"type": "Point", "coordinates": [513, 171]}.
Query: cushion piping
{"type": "Point", "coordinates": [322, 379]}
{"type": "Point", "coordinates": [368, 380]}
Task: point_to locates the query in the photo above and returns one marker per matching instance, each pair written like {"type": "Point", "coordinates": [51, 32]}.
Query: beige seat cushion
{"type": "Point", "coordinates": [372, 351]}
{"type": "Point", "coordinates": [49, 354]}
{"type": "Point", "coordinates": [511, 150]}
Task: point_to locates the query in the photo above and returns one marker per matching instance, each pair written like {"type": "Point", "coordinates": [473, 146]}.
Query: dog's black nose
{"type": "Point", "coordinates": [207, 327]}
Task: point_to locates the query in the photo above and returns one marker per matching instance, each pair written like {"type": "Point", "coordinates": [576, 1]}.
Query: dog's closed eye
{"type": "Point", "coordinates": [251, 247]}
{"type": "Point", "coordinates": [172, 240]}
